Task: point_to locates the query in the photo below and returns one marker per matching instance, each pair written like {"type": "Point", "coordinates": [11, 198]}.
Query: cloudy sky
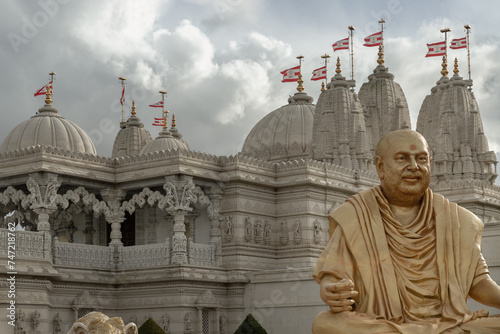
{"type": "Point", "coordinates": [220, 60]}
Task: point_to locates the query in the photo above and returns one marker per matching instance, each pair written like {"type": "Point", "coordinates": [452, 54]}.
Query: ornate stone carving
{"type": "Point", "coordinates": [19, 329]}
{"type": "Point", "coordinates": [188, 328]}
{"type": "Point", "coordinates": [297, 233]}
{"type": "Point", "coordinates": [258, 231]}
{"type": "Point", "coordinates": [248, 229]}
{"type": "Point", "coordinates": [228, 229]}
{"type": "Point", "coordinates": [57, 324]}
{"type": "Point", "coordinates": [43, 193]}
{"type": "Point", "coordinates": [267, 232]}
{"type": "Point", "coordinates": [284, 238]}
{"type": "Point", "coordinates": [35, 320]}
{"type": "Point", "coordinates": [223, 324]}
{"type": "Point", "coordinates": [165, 323]}
{"type": "Point", "coordinates": [317, 232]}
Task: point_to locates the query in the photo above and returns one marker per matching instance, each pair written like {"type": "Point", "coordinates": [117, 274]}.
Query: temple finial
{"type": "Point", "coordinates": [48, 97]}
{"type": "Point", "coordinates": [338, 70]}
{"type": "Point", "coordinates": [133, 108]}
{"type": "Point", "coordinates": [455, 69]}
{"type": "Point", "coordinates": [380, 59]}
{"type": "Point", "coordinates": [300, 88]}
{"type": "Point", "coordinates": [444, 71]}
{"type": "Point", "coordinates": [323, 86]}
{"type": "Point", "coordinates": [173, 121]}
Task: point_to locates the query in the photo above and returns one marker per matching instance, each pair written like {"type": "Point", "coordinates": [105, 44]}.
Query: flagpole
{"type": "Point", "coordinates": [300, 88]}
{"type": "Point", "coordinates": [52, 74]}
{"type": "Point", "coordinates": [122, 79]}
{"type": "Point", "coordinates": [325, 57]}
{"type": "Point", "coordinates": [351, 34]}
{"type": "Point", "coordinates": [163, 113]}
{"type": "Point", "coordinates": [467, 27]}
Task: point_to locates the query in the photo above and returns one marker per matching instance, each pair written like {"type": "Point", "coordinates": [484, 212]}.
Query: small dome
{"type": "Point", "coordinates": [164, 142]}
{"type": "Point", "coordinates": [285, 133]}
{"type": "Point", "coordinates": [131, 138]}
{"type": "Point", "coordinates": [48, 128]}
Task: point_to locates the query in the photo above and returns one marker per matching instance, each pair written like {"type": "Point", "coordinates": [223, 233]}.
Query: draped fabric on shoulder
{"type": "Point", "coordinates": [370, 247]}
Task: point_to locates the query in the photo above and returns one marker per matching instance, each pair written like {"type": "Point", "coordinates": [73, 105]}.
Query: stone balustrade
{"type": "Point", "coordinates": [201, 254]}
{"type": "Point", "coordinates": [145, 256]}
{"type": "Point", "coordinates": [39, 245]}
{"type": "Point", "coordinates": [81, 255]}
{"type": "Point", "coordinates": [36, 245]}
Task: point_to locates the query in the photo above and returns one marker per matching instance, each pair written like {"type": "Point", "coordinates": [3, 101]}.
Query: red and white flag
{"type": "Point", "coordinates": [43, 90]}
{"type": "Point", "coordinates": [319, 73]}
{"type": "Point", "coordinates": [122, 99]}
{"type": "Point", "coordinates": [374, 39]}
{"type": "Point", "coordinates": [343, 44]}
{"type": "Point", "coordinates": [436, 49]}
{"type": "Point", "coordinates": [157, 105]}
{"type": "Point", "coordinates": [458, 43]}
{"type": "Point", "coordinates": [292, 74]}
{"type": "Point", "coordinates": [159, 122]}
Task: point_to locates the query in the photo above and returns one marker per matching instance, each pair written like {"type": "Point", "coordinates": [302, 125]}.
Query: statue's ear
{"type": "Point", "coordinates": [379, 165]}
{"type": "Point", "coordinates": [79, 328]}
{"type": "Point", "coordinates": [131, 328]}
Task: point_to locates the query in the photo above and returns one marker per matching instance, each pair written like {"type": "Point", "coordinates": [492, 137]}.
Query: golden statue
{"type": "Point", "coordinates": [402, 259]}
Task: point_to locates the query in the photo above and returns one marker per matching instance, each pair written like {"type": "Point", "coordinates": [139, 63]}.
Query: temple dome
{"type": "Point", "coordinates": [48, 128]}
{"type": "Point", "coordinates": [131, 138]}
{"type": "Point", "coordinates": [166, 140]}
{"type": "Point", "coordinates": [285, 133]}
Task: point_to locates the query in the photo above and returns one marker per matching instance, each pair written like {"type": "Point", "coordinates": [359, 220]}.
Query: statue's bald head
{"type": "Point", "coordinates": [385, 142]}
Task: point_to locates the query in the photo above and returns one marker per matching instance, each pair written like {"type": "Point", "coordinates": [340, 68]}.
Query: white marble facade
{"type": "Point", "coordinates": [198, 241]}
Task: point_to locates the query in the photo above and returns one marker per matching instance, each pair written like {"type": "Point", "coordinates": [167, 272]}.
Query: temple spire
{"type": "Point", "coordinates": [133, 112]}
{"type": "Point", "coordinates": [338, 70]}
{"type": "Point", "coordinates": [455, 69]}
{"type": "Point", "coordinates": [52, 75]}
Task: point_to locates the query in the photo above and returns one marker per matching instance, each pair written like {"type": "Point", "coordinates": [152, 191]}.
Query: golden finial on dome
{"type": "Point", "coordinates": [338, 70]}
{"type": "Point", "coordinates": [444, 71]}
{"type": "Point", "coordinates": [455, 69]}
{"type": "Point", "coordinates": [380, 59]}
{"type": "Point", "coordinates": [173, 121]}
{"type": "Point", "coordinates": [48, 98]}
{"type": "Point", "coordinates": [323, 86]}
{"type": "Point", "coordinates": [133, 108]}
{"type": "Point", "coordinates": [300, 88]}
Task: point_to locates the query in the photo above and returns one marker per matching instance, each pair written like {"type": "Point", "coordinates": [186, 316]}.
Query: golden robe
{"type": "Point", "coordinates": [410, 279]}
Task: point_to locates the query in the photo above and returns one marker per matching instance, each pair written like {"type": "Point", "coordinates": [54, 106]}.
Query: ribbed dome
{"type": "Point", "coordinates": [48, 128]}
{"type": "Point", "coordinates": [284, 133]}
{"type": "Point", "coordinates": [131, 138]}
{"type": "Point", "coordinates": [165, 141]}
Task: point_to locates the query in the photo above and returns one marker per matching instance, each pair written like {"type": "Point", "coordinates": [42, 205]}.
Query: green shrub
{"type": "Point", "coordinates": [250, 326]}
{"type": "Point", "coordinates": [151, 327]}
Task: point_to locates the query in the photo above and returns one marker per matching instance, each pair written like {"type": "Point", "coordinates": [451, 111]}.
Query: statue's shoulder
{"type": "Point", "coordinates": [467, 218]}
{"type": "Point", "coordinates": [347, 210]}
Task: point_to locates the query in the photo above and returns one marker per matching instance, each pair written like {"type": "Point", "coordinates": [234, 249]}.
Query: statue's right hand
{"type": "Point", "coordinates": [338, 295]}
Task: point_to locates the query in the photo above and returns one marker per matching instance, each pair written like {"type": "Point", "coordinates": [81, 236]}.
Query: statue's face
{"type": "Point", "coordinates": [404, 169]}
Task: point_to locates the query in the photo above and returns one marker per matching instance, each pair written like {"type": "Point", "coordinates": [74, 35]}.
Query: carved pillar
{"type": "Point", "coordinates": [114, 216]}
{"type": "Point", "coordinates": [179, 240]}
{"type": "Point", "coordinates": [179, 197]}
{"type": "Point", "coordinates": [215, 220]}
{"type": "Point", "coordinates": [43, 192]}
{"type": "Point", "coordinates": [199, 327]}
